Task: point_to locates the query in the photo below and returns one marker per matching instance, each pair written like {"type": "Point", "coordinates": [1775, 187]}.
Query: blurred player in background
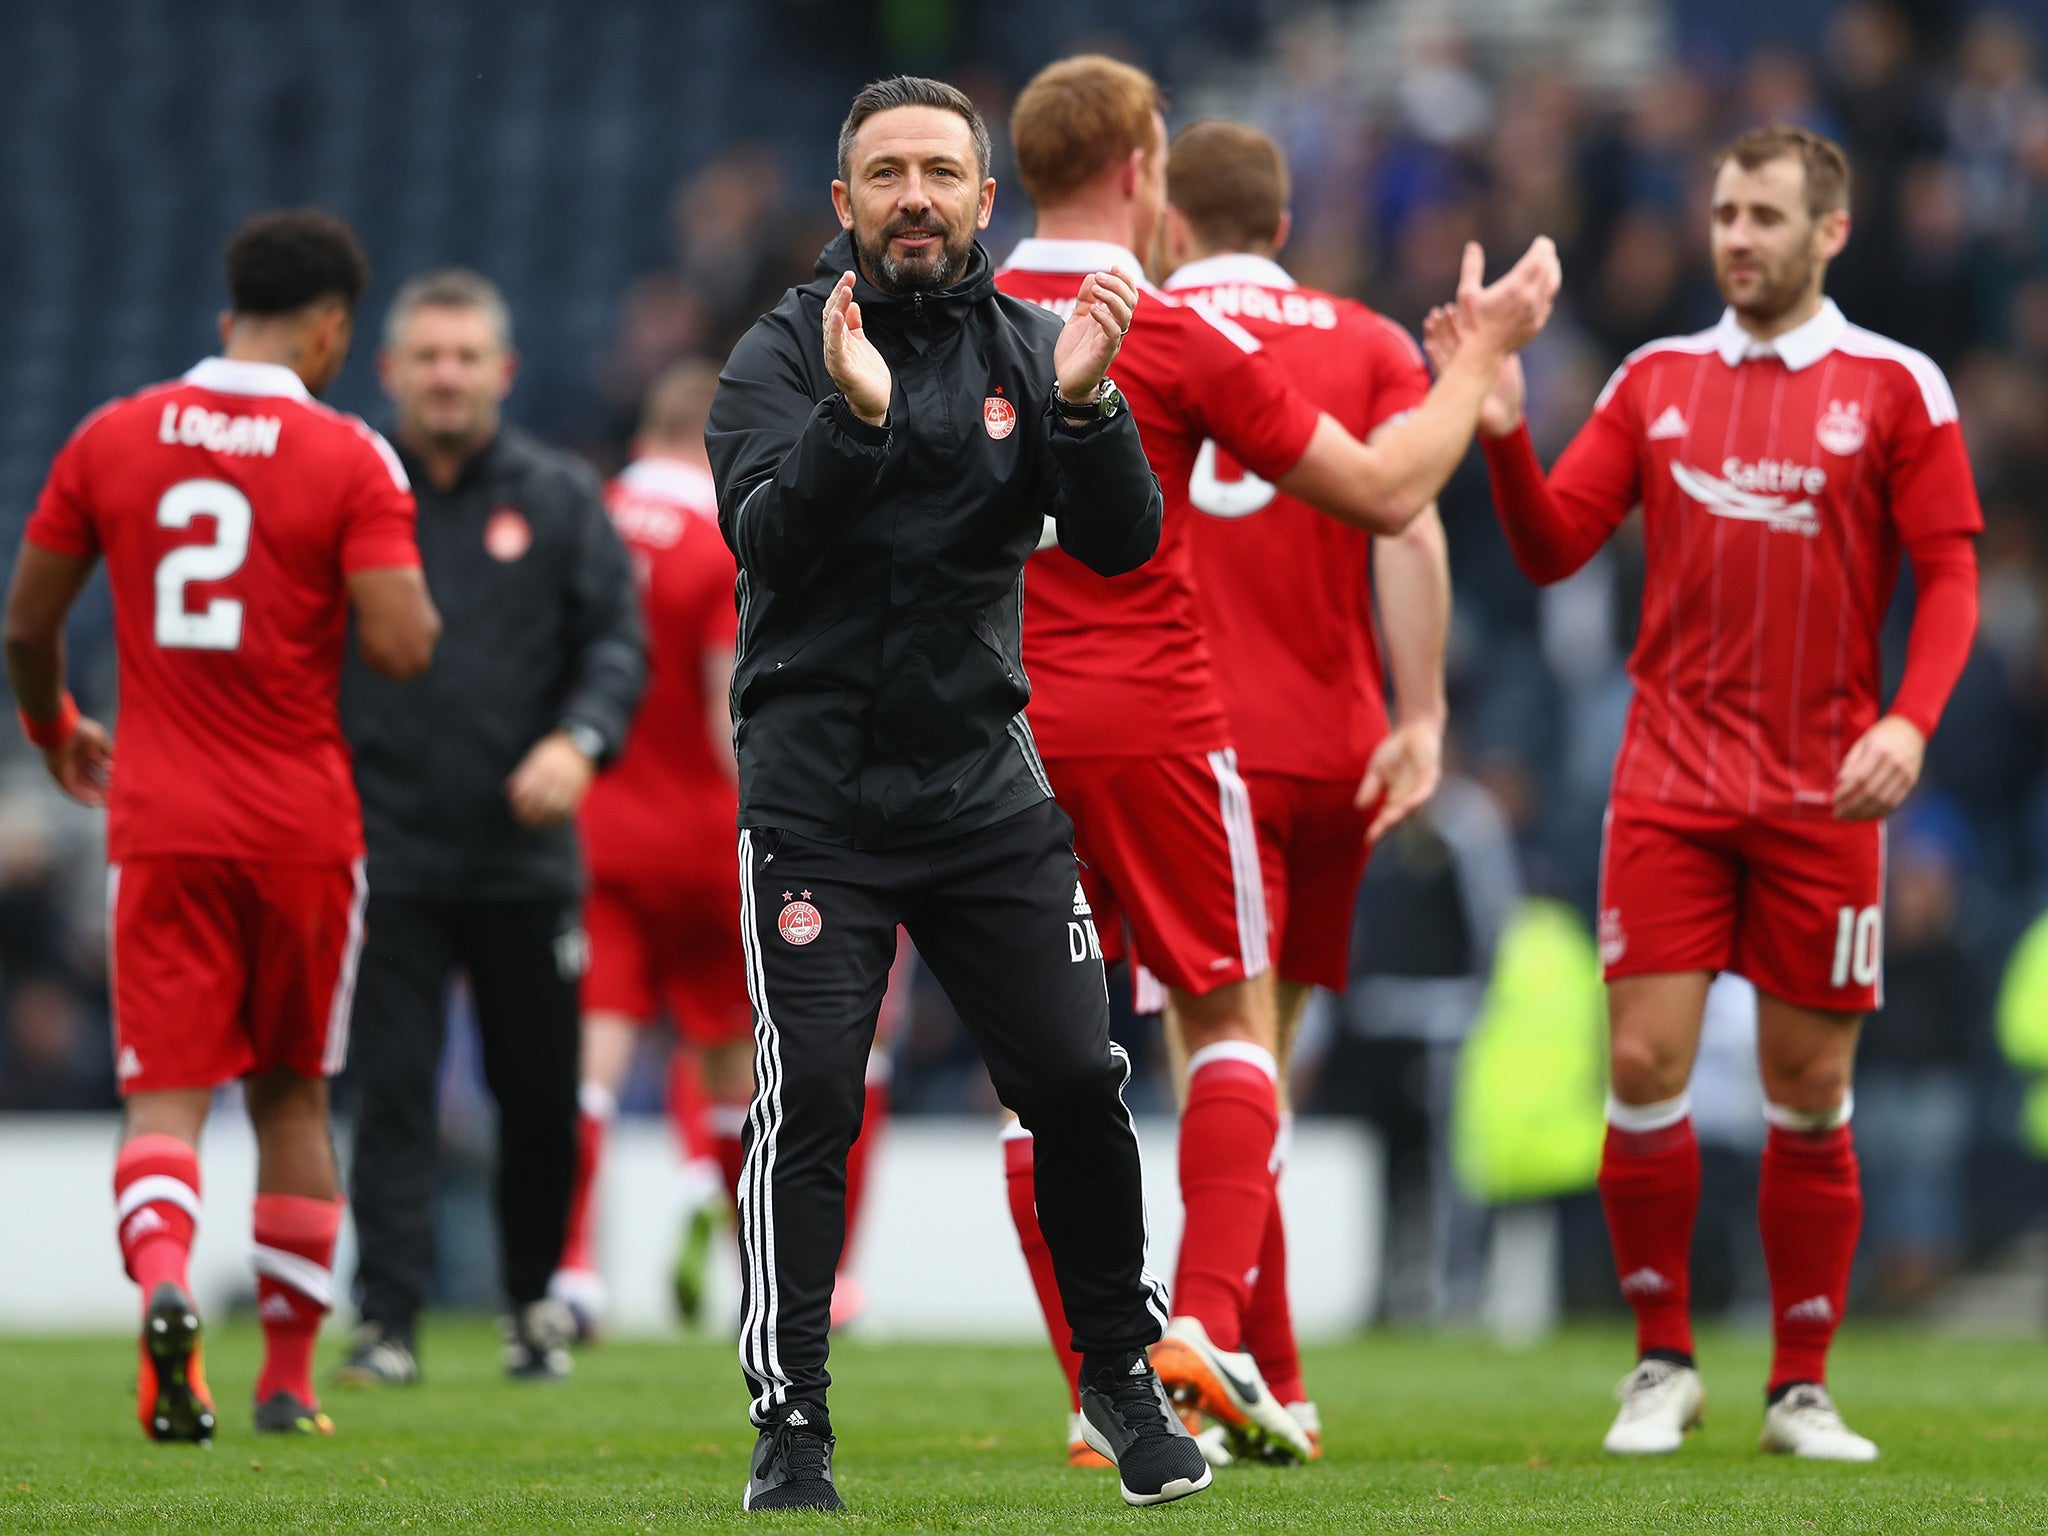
{"type": "Point", "coordinates": [1783, 460]}
{"type": "Point", "coordinates": [1125, 704]}
{"type": "Point", "coordinates": [240, 522]}
{"type": "Point", "coordinates": [661, 911]}
{"type": "Point", "coordinates": [1287, 602]}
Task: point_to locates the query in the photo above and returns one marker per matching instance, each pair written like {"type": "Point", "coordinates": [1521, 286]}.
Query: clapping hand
{"type": "Point", "coordinates": [856, 367]}
{"type": "Point", "coordinates": [1102, 313]}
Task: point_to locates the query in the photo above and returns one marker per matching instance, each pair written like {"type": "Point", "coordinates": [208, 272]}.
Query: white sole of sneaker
{"type": "Point", "coordinates": [1179, 1488]}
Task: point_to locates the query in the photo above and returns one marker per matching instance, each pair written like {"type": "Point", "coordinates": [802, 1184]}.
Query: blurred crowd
{"type": "Point", "coordinates": [1469, 134]}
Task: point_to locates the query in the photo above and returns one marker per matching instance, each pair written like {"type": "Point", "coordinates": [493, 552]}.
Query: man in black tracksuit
{"type": "Point", "coordinates": [888, 443]}
{"type": "Point", "coordinates": [469, 774]}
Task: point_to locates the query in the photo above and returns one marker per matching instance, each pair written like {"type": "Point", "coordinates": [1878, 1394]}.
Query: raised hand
{"type": "Point", "coordinates": [856, 367]}
{"type": "Point", "coordinates": [1501, 411]}
{"type": "Point", "coordinates": [1102, 313]}
{"type": "Point", "coordinates": [1506, 314]}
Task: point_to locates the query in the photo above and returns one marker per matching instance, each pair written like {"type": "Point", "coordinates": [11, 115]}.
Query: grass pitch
{"type": "Point", "coordinates": [1425, 1434]}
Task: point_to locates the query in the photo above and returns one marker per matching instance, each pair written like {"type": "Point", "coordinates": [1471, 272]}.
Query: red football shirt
{"type": "Point", "coordinates": [665, 813]}
{"type": "Point", "coordinates": [1118, 665]}
{"type": "Point", "coordinates": [1779, 482]}
{"type": "Point", "coordinates": [230, 507]}
{"type": "Point", "coordinates": [1284, 589]}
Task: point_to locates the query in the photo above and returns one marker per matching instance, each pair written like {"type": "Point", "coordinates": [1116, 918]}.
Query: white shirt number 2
{"type": "Point", "coordinates": [217, 626]}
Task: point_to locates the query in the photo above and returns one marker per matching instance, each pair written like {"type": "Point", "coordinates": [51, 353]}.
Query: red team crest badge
{"type": "Point", "coordinates": [1841, 429]}
{"type": "Point", "coordinates": [507, 534]}
{"type": "Point", "coordinates": [999, 416]}
{"type": "Point", "coordinates": [800, 922]}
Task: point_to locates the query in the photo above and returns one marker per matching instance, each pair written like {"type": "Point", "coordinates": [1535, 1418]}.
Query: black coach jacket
{"type": "Point", "coordinates": [879, 689]}
{"type": "Point", "coordinates": [540, 630]}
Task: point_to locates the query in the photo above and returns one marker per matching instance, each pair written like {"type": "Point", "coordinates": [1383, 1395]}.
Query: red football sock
{"type": "Point", "coordinates": [1268, 1319]}
{"type": "Point", "coordinates": [294, 1258]}
{"type": "Point", "coordinates": [156, 1206]}
{"type": "Point", "coordinates": [688, 1106]}
{"type": "Point", "coordinates": [1017, 1176]}
{"type": "Point", "coordinates": [1650, 1190]}
{"type": "Point", "coordinates": [1227, 1133]}
{"type": "Point", "coordinates": [874, 1116]}
{"type": "Point", "coordinates": [598, 1107]}
{"type": "Point", "coordinates": [1810, 1206]}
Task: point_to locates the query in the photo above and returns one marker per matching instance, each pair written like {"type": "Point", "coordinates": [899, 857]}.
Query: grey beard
{"type": "Point", "coordinates": [892, 276]}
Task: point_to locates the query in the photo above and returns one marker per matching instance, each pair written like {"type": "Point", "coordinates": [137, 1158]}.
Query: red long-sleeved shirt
{"type": "Point", "coordinates": [1779, 483]}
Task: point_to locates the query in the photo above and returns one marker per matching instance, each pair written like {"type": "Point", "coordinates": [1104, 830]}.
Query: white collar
{"type": "Point", "coordinates": [1801, 347]}
{"type": "Point", "coordinates": [1231, 267]}
{"type": "Point", "coordinates": [670, 478]}
{"type": "Point", "coordinates": [232, 376]}
{"type": "Point", "coordinates": [1038, 255]}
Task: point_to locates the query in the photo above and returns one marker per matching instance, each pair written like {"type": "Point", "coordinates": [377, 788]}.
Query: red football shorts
{"type": "Point", "coordinates": [1167, 846]}
{"type": "Point", "coordinates": [676, 951]}
{"type": "Point", "coordinates": [1796, 906]}
{"type": "Point", "coordinates": [224, 967]}
{"type": "Point", "coordinates": [1312, 851]}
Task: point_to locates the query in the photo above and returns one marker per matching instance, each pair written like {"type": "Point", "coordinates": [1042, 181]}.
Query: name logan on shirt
{"type": "Point", "coordinates": [241, 436]}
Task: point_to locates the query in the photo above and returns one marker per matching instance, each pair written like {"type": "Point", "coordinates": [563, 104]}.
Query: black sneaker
{"type": "Point", "coordinates": [1126, 1416]}
{"type": "Point", "coordinates": [378, 1357]}
{"type": "Point", "coordinates": [537, 1339]}
{"type": "Point", "coordinates": [792, 1467]}
{"type": "Point", "coordinates": [283, 1414]}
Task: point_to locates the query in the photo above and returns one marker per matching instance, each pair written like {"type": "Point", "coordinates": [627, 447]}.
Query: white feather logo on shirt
{"type": "Point", "coordinates": [1726, 498]}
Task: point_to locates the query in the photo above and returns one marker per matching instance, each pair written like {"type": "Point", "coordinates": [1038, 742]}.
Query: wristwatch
{"type": "Point", "coordinates": [586, 739]}
{"type": "Point", "coordinates": [1108, 402]}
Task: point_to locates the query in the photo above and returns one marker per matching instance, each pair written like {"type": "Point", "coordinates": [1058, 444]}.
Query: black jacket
{"type": "Point", "coordinates": [541, 629]}
{"type": "Point", "coordinates": [879, 689]}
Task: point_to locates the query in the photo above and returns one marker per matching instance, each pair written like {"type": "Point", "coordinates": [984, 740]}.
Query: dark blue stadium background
{"type": "Point", "coordinates": [643, 177]}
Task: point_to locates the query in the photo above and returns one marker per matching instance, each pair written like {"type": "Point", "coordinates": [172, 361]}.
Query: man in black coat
{"type": "Point", "coordinates": [889, 443]}
{"type": "Point", "coordinates": [469, 775]}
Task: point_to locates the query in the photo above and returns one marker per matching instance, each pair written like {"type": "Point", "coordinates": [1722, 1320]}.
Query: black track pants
{"type": "Point", "coordinates": [993, 914]}
{"type": "Point", "coordinates": [523, 959]}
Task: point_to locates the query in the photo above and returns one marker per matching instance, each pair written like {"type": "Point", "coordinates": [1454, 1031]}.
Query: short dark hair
{"type": "Point", "coordinates": [284, 260]}
{"type": "Point", "coordinates": [1229, 181]}
{"type": "Point", "coordinates": [912, 91]}
{"type": "Point", "coordinates": [1826, 167]}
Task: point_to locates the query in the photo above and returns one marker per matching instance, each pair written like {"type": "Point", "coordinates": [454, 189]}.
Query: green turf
{"type": "Point", "coordinates": [1425, 1434]}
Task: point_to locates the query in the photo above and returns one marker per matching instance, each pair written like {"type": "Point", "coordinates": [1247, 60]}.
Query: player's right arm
{"type": "Point", "coordinates": [1555, 524]}
{"type": "Point", "coordinates": [55, 561]}
{"type": "Point", "coordinates": [1384, 485]}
